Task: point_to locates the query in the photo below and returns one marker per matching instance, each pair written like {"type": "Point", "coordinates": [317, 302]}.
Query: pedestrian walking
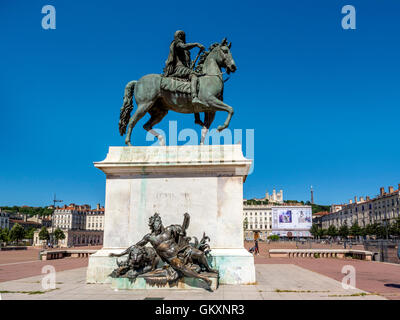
{"type": "Point", "coordinates": [256, 251]}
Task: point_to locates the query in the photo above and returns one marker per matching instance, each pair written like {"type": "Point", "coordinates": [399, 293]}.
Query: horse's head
{"type": "Point", "coordinates": [224, 56]}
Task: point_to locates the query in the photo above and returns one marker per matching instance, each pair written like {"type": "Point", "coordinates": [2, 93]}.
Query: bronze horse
{"type": "Point", "coordinates": [157, 102]}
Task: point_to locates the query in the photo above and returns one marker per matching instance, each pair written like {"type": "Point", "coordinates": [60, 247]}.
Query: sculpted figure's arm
{"type": "Point", "coordinates": [144, 241]}
{"type": "Point", "coordinates": [176, 231]}
{"type": "Point", "coordinates": [189, 46]}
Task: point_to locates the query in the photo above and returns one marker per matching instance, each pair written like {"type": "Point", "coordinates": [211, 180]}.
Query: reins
{"type": "Point", "coordinates": [217, 75]}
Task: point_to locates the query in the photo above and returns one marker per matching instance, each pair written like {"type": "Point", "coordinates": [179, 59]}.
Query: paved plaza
{"type": "Point", "coordinates": [274, 282]}
{"type": "Point", "coordinates": [277, 278]}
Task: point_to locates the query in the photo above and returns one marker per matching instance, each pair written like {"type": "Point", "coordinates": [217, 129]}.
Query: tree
{"type": "Point", "coordinates": [315, 230]}
{"type": "Point", "coordinates": [355, 230]}
{"type": "Point", "coordinates": [17, 232]}
{"type": "Point", "coordinates": [44, 234]}
{"type": "Point", "coordinates": [369, 230]}
{"type": "Point", "coordinates": [332, 231]}
{"type": "Point", "coordinates": [59, 234]}
{"type": "Point", "coordinates": [363, 232]}
{"type": "Point", "coordinates": [380, 231]}
{"type": "Point", "coordinates": [343, 231]}
{"type": "Point", "coordinates": [273, 237]}
{"type": "Point", "coordinates": [245, 224]}
{"type": "Point", "coordinates": [394, 228]}
{"type": "Point", "coordinates": [322, 233]}
{"type": "Point", "coordinates": [29, 233]}
{"type": "Point", "coordinates": [4, 235]}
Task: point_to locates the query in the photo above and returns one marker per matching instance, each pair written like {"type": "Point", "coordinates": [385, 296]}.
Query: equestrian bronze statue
{"type": "Point", "coordinates": [184, 87]}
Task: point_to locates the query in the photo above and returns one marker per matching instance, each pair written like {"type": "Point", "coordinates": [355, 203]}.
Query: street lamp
{"type": "Point", "coordinates": [55, 200]}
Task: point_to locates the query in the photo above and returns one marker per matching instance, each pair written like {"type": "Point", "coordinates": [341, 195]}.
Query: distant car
{"type": "Point", "coordinates": [398, 251]}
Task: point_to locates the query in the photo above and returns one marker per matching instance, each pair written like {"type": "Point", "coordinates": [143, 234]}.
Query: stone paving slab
{"type": "Point", "coordinates": [274, 282]}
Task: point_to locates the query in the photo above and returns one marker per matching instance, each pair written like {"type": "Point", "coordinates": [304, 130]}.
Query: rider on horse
{"type": "Point", "coordinates": [179, 63]}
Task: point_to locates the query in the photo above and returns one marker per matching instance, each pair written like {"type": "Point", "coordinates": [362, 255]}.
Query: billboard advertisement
{"type": "Point", "coordinates": [292, 221]}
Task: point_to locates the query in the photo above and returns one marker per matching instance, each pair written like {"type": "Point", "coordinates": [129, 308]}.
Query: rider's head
{"type": "Point", "coordinates": [180, 34]}
{"type": "Point", "coordinates": [155, 222]}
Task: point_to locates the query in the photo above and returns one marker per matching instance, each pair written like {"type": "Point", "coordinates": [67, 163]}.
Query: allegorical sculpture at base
{"type": "Point", "coordinates": [171, 246]}
{"type": "Point", "coordinates": [184, 87]}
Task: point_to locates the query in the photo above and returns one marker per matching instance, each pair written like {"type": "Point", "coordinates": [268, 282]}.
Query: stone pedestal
{"type": "Point", "coordinates": [205, 181]}
{"type": "Point", "coordinates": [184, 283]}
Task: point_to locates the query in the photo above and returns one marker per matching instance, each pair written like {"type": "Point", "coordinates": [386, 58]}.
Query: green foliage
{"type": "Point", "coordinates": [374, 229]}
{"type": "Point", "coordinates": [370, 229]}
{"type": "Point", "coordinates": [29, 233]}
{"type": "Point", "coordinates": [256, 202]}
{"type": "Point", "coordinates": [355, 230]}
{"type": "Point", "coordinates": [293, 202]}
{"type": "Point", "coordinates": [394, 228]}
{"type": "Point", "coordinates": [332, 231]}
{"type": "Point", "coordinates": [4, 235]}
{"type": "Point", "coordinates": [30, 211]}
{"type": "Point", "coordinates": [318, 207]}
{"type": "Point", "coordinates": [59, 234]}
{"type": "Point", "coordinates": [343, 231]}
{"type": "Point", "coordinates": [273, 237]}
{"type": "Point", "coordinates": [17, 232]}
{"type": "Point", "coordinates": [44, 234]}
{"type": "Point", "coordinates": [245, 224]}
{"type": "Point", "coordinates": [315, 231]}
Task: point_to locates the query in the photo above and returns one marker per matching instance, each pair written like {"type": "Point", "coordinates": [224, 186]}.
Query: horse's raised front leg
{"type": "Point", "coordinates": [218, 105]}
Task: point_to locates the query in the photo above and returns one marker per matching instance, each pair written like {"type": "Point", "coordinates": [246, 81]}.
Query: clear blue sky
{"type": "Point", "coordinates": [323, 101]}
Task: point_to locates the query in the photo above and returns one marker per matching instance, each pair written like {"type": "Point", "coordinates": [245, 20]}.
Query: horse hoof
{"type": "Point", "coordinates": [220, 128]}
{"type": "Point", "coordinates": [161, 141]}
{"type": "Point", "coordinates": [128, 143]}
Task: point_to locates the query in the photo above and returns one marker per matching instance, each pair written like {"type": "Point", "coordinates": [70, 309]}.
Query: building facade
{"type": "Point", "coordinates": [74, 238]}
{"type": "Point", "coordinates": [82, 225]}
{"type": "Point", "coordinates": [383, 209]}
{"type": "Point", "coordinates": [259, 221]}
{"type": "Point", "coordinates": [23, 220]}
{"type": "Point", "coordinates": [4, 220]}
{"type": "Point", "coordinates": [72, 217]}
{"type": "Point", "coordinates": [95, 219]}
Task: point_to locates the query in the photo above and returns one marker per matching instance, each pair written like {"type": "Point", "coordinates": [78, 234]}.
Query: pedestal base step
{"type": "Point", "coordinates": [184, 283]}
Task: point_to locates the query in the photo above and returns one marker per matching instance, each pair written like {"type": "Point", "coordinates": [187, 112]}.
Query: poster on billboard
{"type": "Point", "coordinates": [292, 221]}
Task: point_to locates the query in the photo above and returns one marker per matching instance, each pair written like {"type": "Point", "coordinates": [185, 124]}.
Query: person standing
{"type": "Point", "coordinates": [256, 251]}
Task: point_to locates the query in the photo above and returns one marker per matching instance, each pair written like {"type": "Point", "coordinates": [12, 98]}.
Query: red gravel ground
{"type": "Point", "coordinates": [22, 270]}
{"type": "Point", "coordinates": [31, 254]}
{"type": "Point", "coordinates": [18, 264]}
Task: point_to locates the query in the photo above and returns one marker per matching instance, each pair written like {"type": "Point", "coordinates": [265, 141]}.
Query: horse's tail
{"type": "Point", "coordinates": [127, 107]}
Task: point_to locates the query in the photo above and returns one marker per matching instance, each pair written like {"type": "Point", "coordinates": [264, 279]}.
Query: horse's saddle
{"type": "Point", "coordinates": [175, 84]}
